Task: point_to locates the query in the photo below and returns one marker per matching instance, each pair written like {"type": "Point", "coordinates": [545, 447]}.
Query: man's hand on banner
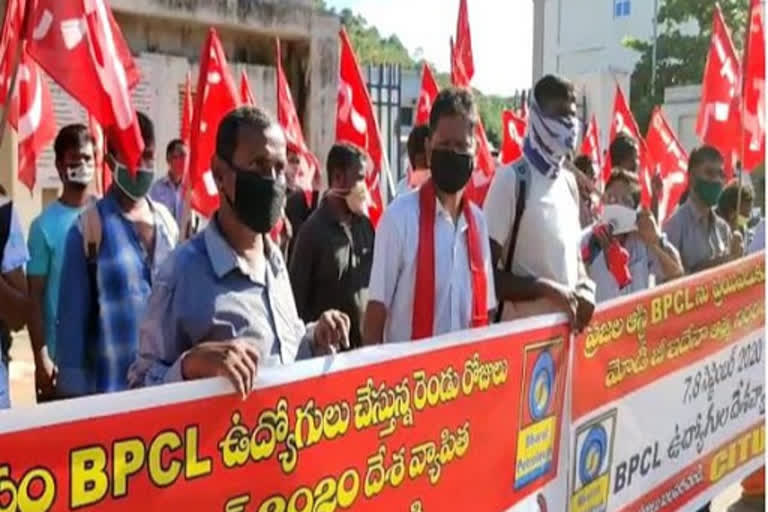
{"type": "Point", "coordinates": [237, 360]}
{"type": "Point", "coordinates": [737, 245]}
{"type": "Point", "coordinates": [331, 332]}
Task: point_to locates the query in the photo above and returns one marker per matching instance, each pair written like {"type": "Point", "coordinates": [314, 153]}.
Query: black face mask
{"type": "Point", "coordinates": [258, 201]}
{"type": "Point", "coordinates": [451, 170]}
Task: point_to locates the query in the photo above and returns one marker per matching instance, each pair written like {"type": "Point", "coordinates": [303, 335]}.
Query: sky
{"type": "Point", "coordinates": [502, 35]}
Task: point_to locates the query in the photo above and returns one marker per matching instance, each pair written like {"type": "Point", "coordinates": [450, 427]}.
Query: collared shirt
{"type": "Point", "coordinates": [642, 265]}
{"type": "Point", "coordinates": [331, 266]}
{"type": "Point", "coordinates": [549, 236]}
{"type": "Point", "coordinates": [758, 240]}
{"type": "Point", "coordinates": [47, 238]}
{"type": "Point", "coordinates": [97, 336]}
{"type": "Point", "coordinates": [206, 292]}
{"type": "Point", "coordinates": [698, 237]}
{"type": "Point", "coordinates": [394, 268]}
{"type": "Point", "coordinates": [167, 193]}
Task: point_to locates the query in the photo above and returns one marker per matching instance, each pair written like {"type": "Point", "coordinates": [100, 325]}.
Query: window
{"type": "Point", "coordinates": [621, 8]}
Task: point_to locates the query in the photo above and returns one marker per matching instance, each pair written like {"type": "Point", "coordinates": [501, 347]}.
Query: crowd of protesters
{"type": "Point", "coordinates": [113, 301]}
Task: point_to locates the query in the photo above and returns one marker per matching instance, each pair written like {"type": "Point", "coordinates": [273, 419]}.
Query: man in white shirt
{"type": "Point", "coordinates": [532, 209]}
{"type": "Point", "coordinates": [422, 283]}
{"type": "Point", "coordinates": [418, 171]}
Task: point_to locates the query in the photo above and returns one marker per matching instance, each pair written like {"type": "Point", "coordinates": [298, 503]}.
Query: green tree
{"type": "Point", "coordinates": [681, 54]}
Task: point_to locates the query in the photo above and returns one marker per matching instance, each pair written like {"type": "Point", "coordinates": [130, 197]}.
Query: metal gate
{"type": "Point", "coordinates": [384, 83]}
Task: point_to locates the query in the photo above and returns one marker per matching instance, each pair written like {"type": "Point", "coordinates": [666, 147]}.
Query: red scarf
{"type": "Point", "coordinates": [422, 324]}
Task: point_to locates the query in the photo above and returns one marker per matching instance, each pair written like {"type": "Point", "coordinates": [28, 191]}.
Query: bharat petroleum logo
{"type": "Point", "coordinates": [540, 391]}
{"type": "Point", "coordinates": [593, 453]}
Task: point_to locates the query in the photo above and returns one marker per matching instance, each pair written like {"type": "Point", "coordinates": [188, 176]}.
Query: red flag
{"type": "Point", "coordinates": [81, 47]}
{"type": "Point", "coordinates": [512, 137]}
{"type": "Point", "coordinates": [485, 167]}
{"type": "Point", "coordinates": [458, 75]}
{"type": "Point", "coordinates": [246, 95]}
{"type": "Point", "coordinates": [31, 114]}
{"type": "Point", "coordinates": [356, 124]}
{"type": "Point", "coordinates": [187, 108]}
{"type": "Point", "coordinates": [308, 174]}
{"type": "Point", "coordinates": [216, 96]}
{"type": "Point", "coordinates": [623, 121]}
{"type": "Point", "coordinates": [718, 120]}
{"type": "Point", "coordinates": [429, 91]}
{"type": "Point", "coordinates": [590, 146]}
{"type": "Point", "coordinates": [105, 176]}
{"type": "Point", "coordinates": [753, 96]}
{"type": "Point", "coordinates": [667, 158]}
{"type": "Point", "coordinates": [463, 47]}
{"type": "Point", "coordinates": [9, 43]}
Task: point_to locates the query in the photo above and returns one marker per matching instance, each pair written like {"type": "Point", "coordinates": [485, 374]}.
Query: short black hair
{"type": "Point", "coordinates": [71, 136]}
{"type": "Point", "coordinates": [229, 128]}
{"type": "Point", "coordinates": [453, 101]}
{"type": "Point", "coordinates": [585, 165]}
{"type": "Point", "coordinates": [552, 88]}
{"type": "Point", "coordinates": [703, 154]}
{"type": "Point", "coordinates": [341, 157]}
{"type": "Point", "coordinates": [171, 147]}
{"type": "Point", "coordinates": [623, 146]}
{"type": "Point", "coordinates": [726, 205]}
{"type": "Point", "coordinates": [417, 142]}
{"type": "Point", "coordinates": [628, 177]}
{"type": "Point", "coordinates": [146, 127]}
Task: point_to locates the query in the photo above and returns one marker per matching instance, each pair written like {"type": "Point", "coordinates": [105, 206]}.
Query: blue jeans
{"type": "Point", "coordinates": [5, 389]}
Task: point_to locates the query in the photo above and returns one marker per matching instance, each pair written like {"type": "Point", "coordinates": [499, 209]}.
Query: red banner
{"type": "Point", "coordinates": [669, 393]}
{"type": "Point", "coordinates": [471, 421]}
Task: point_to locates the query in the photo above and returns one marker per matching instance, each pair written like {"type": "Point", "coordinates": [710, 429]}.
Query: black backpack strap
{"type": "Point", "coordinates": [521, 190]}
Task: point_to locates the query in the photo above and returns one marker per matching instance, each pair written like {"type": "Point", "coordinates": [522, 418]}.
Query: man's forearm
{"type": "Point", "coordinates": [512, 288]}
{"type": "Point", "coordinates": [14, 305]}
{"type": "Point", "coordinates": [373, 324]}
{"type": "Point", "coordinates": [669, 261]}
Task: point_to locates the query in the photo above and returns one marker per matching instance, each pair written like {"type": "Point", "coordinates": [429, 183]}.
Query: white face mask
{"type": "Point", "coordinates": [82, 174]}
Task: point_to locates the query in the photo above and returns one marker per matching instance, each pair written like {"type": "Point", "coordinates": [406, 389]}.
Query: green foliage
{"type": "Point", "coordinates": [371, 47]}
{"type": "Point", "coordinates": [680, 57]}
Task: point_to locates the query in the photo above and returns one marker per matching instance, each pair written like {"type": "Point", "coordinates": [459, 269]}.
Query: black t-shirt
{"type": "Point", "coordinates": [330, 268]}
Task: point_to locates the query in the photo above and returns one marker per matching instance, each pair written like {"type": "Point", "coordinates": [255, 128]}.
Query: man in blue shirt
{"type": "Point", "coordinates": [74, 152]}
{"type": "Point", "coordinates": [167, 190]}
{"type": "Point", "coordinates": [222, 303]}
{"type": "Point", "coordinates": [107, 277]}
{"type": "Point", "coordinates": [14, 302]}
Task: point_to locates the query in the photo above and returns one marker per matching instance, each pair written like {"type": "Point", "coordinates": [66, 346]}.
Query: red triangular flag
{"type": "Point", "coordinates": [81, 47]}
{"type": "Point", "coordinates": [512, 136]}
{"type": "Point", "coordinates": [187, 107]}
{"type": "Point", "coordinates": [9, 43]}
{"type": "Point", "coordinates": [308, 175]}
{"type": "Point", "coordinates": [355, 123]}
{"type": "Point", "coordinates": [216, 96]}
{"type": "Point", "coordinates": [463, 46]}
{"type": "Point", "coordinates": [718, 120]}
{"type": "Point", "coordinates": [668, 159]}
{"type": "Point", "coordinates": [590, 146]}
{"type": "Point", "coordinates": [427, 96]}
{"type": "Point", "coordinates": [485, 167]}
{"type": "Point", "coordinates": [246, 94]}
{"type": "Point", "coordinates": [624, 121]}
{"type": "Point", "coordinates": [753, 96]}
{"type": "Point", "coordinates": [31, 114]}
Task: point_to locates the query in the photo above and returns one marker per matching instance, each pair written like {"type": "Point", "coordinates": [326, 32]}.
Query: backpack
{"type": "Point", "coordinates": [6, 209]}
{"type": "Point", "coordinates": [523, 171]}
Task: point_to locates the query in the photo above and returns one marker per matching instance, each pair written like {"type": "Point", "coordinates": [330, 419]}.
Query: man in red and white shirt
{"type": "Point", "coordinates": [432, 270]}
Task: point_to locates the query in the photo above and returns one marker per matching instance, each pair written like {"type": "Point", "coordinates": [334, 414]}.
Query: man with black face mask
{"type": "Point", "coordinates": [533, 215]}
{"type": "Point", "coordinates": [111, 255]}
{"type": "Point", "coordinates": [222, 304]}
{"type": "Point", "coordinates": [432, 270]}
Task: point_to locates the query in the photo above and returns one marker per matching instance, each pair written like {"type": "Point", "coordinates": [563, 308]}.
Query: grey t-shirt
{"type": "Point", "coordinates": [698, 236]}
